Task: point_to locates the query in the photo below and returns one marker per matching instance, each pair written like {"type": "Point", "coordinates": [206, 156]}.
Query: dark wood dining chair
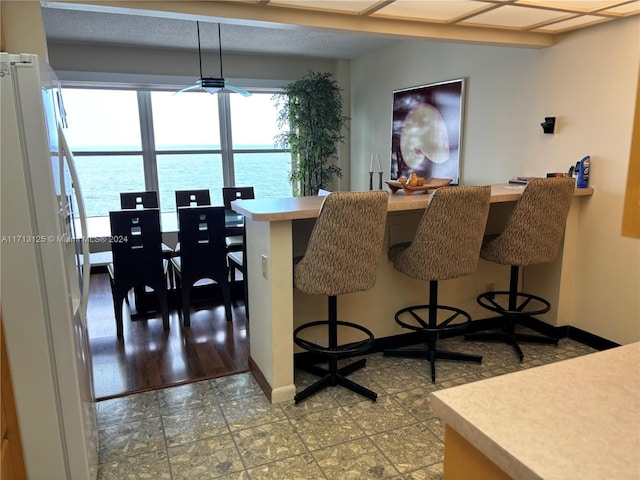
{"type": "Point", "coordinates": [237, 263]}
{"type": "Point", "coordinates": [142, 200]}
{"type": "Point", "coordinates": [138, 260]}
{"type": "Point", "coordinates": [202, 254]}
{"type": "Point", "coordinates": [235, 236]}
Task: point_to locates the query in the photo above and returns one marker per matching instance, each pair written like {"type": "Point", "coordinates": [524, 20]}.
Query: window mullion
{"type": "Point", "coordinates": [148, 141]}
{"type": "Point", "coordinates": [226, 140]}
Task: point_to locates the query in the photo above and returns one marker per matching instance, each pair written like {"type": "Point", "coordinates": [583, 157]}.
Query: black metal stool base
{"type": "Point", "coordinates": [511, 339]}
{"type": "Point", "coordinates": [333, 375]}
{"type": "Point", "coordinates": [330, 379]}
{"type": "Point", "coordinates": [520, 306]}
{"type": "Point", "coordinates": [432, 355]}
{"type": "Point", "coordinates": [431, 327]}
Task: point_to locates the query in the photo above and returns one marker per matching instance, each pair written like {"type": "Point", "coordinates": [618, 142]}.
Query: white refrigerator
{"type": "Point", "coordinates": [44, 276]}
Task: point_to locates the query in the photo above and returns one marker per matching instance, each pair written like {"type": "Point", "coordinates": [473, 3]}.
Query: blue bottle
{"type": "Point", "coordinates": [584, 166]}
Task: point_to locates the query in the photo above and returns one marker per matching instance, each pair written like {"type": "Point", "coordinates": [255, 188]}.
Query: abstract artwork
{"type": "Point", "coordinates": [426, 131]}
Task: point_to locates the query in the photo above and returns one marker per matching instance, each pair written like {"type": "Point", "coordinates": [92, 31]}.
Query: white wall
{"type": "Point", "coordinates": [589, 82]}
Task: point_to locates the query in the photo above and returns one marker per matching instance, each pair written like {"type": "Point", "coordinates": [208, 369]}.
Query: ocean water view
{"type": "Point", "coordinates": [102, 178]}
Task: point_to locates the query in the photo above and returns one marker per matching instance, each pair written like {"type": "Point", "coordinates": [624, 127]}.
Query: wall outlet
{"type": "Point", "coordinates": [265, 266]}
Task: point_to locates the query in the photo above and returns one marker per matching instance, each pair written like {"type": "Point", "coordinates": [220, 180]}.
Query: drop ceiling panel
{"type": "Point", "coordinates": [349, 6]}
{"type": "Point", "coordinates": [584, 6]}
{"type": "Point", "coordinates": [509, 16]}
{"type": "Point", "coordinates": [576, 22]}
{"type": "Point", "coordinates": [627, 9]}
{"type": "Point", "coordinates": [431, 10]}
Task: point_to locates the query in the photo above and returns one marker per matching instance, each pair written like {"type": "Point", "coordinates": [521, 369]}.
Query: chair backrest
{"type": "Point", "coordinates": [345, 246]}
{"type": "Point", "coordinates": [535, 228]}
{"type": "Point", "coordinates": [449, 236]}
{"type": "Point", "coordinates": [229, 194]}
{"type": "Point", "coordinates": [201, 232]}
{"type": "Point", "coordinates": [192, 198]}
{"type": "Point", "coordinates": [136, 246]}
{"type": "Point", "coordinates": [138, 200]}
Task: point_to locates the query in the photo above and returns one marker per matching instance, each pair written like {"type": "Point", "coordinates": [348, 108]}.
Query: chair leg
{"type": "Point", "coordinates": [186, 307]}
{"type": "Point", "coordinates": [226, 295]}
{"type": "Point", "coordinates": [118, 301]}
{"type": "Point", "coordinates": [245, 280]}
{"type": "Point", "coordinates": [164, 307]}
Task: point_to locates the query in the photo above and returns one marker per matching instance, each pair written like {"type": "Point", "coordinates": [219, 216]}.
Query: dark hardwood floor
{"type": "Point", "coordinates": [151, 358]}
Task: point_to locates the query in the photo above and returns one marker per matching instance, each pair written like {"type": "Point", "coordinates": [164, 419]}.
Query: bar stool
{"type": "Point", "coordinates": [446, 245]}
{"type": "Point", "coordinates": [342, 257]}
{"type": "Point", "coordinates": [532, 236]}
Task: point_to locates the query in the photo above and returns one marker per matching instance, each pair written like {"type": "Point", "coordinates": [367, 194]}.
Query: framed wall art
{"type": "Point", "coordinates": [427, 130]}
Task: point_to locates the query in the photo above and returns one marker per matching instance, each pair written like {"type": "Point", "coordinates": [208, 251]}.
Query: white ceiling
{"type": "Point", "coordinates": [315, 35]}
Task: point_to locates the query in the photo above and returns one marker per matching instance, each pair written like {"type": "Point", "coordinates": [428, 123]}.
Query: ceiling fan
{"type": "Point", "coordinates": [211, 84]}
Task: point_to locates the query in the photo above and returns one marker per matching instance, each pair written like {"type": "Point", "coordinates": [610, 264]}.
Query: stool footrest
{"type": "Point", "coordinates": [521, 302]}
{"type": "Point", "coordinates": [430, 325]}
{"type": "Point", "coordinates": [340, 351]}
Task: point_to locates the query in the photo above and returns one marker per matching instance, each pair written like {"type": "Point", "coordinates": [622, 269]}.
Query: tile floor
{"type": "Point", "coordinates": [226, 429]}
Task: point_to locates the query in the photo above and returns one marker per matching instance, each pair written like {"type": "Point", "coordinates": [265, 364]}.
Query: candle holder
{"type": "Point", "coordinates": [380, 184]}
{"type": "Point", "coordinates": [370, 180]}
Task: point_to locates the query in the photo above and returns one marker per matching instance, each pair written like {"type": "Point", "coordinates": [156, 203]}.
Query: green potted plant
{"type": "Point", "coordinates": [310, 117]}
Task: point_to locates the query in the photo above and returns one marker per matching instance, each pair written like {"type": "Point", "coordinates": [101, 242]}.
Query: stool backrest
{"type": "Point", "coordinates": [449, 236]}
{"type": "Point", "coordinates": [345, 244]}
{"type": "Point", "coordinates": [535, 228]}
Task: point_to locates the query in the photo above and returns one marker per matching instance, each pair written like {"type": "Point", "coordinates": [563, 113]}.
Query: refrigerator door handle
{"type": "Point", "coordinates": [86, 259]}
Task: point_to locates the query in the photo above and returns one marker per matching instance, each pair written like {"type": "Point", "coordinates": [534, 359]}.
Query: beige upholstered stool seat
{"type": "Point", "coordinates": [446, 245]}
{"type": "Point", "coordinates": [342, 257]}
{"type": "Point", "coordinates": [533, 235]}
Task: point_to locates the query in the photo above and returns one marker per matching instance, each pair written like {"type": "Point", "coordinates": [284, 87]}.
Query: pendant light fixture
{"type": "Point", "coordinates": [213, 85]}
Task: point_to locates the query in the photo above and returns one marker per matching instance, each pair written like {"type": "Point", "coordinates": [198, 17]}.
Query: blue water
{"type": "Point", "coordinates": [103, 178]}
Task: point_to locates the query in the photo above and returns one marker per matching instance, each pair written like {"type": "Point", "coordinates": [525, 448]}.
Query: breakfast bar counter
{"type": "Point", "coordinates": [277, 229]}
{"type": "Point", "coordinates": [574, 419]}
{"type": "Point", "coordinates": [296, 208]}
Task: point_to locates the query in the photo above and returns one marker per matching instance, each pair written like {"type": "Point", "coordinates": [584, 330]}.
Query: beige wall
{"type": "Point", "coordinates": [22, 28]}
{"type": "Point", "coordinates": [588, 81]}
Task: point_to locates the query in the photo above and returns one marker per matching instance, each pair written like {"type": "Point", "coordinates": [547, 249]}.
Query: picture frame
{"type": "Point", "coordinates": [426, 134]}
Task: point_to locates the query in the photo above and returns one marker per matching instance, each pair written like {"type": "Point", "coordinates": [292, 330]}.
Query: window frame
{"type": "Point", "coordinates": [149, 152]}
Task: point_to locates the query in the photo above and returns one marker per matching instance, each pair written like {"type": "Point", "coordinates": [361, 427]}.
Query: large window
{"type": "Point", "coordinates": [128, 140]}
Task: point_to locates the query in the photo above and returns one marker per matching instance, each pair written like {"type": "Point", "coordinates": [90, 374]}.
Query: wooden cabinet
{"type": "Point", "coordinates": [12, 460]}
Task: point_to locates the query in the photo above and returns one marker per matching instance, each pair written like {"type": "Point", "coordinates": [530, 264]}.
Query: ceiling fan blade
{"type": "Point", "coordinates": [190, 87]}
{"type": "Point", "coordinates": [239, 90]}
